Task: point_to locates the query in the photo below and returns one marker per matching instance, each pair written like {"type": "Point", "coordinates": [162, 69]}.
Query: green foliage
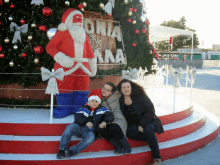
{"type": "Point", "coordinates": [32, 14]}
{"type": "Point", "coordinates": [179, 41]}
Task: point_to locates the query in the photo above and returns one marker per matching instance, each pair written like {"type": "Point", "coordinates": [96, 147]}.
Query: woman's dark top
{"type": "Point", "coordinates": [131, 114]}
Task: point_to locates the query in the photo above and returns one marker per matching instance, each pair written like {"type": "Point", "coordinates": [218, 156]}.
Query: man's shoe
{"type": "Point", "coordinates": [157, 162]}
{"type": "Point", "coordinates": [61, 154]}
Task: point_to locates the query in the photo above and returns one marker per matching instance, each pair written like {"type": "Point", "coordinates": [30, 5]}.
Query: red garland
{"type": "Point", "coordinates": [1, 2]}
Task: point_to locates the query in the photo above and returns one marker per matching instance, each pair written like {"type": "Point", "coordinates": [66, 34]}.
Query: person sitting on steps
{"type": "Point", "coordinates": [87, 120]}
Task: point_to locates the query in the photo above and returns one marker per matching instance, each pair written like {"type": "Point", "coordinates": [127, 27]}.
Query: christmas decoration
{"type": "Point", "coordinates": [147, 22]}
{"type": "Point", "coordinates": [23, 55]}
{"type": "Point", "coordinates": [18, 31]}
{"type": "Point", "coordinates": [130, 75]}
{"type": "Point", "coordinates": [80, 6]}
{"type": "Point", "coordinates": [108, 8]}
{"type": "Point", "coordinates": [134, 44]}
{"type": "Point", "coordinates": [36, 60]}
{"type": "Point", "coordinates": [2, 55]}
{"type": "Point", "coordinates": [51, 32]}
{"type": "Point", "coordinates": [126, 1]}
{"type": "Point", "coordinates": [101, 5]}
{"type": "Point", "coordinates": [12, 6]}
{"type": "Point", "coordinates": [15, 47]}
{"type": "Point", "coordinates": [33, 25]}
{"type": "Point", "coordinates": [130, 13]}
{"type": "Point", "coordinates": [30, 37]}
{"type": "Point", "coordinates": [129, 19]}
{"type": "Point", "coordinates": [38, 49]}
{"type": "Point", "coordinates": [37, 2]}
{"type": "Point", "coordinates": [1, 48]}
{"type": "Point", "coordinates": [10, 18]}
{"type": "Point", "coordinates": [170, 42]}
{"type": "Point", "coordinates": [136, 31]}
{"type": "Point", "coordinates": [135, 10]}
{"type": "Point", "coordinates": [42, 28]}
{"type": "Point", "coordinates": [67, 3]}
{"type": "Point", "coordinates": [143, 18]}
{"type": "Point", "coordinates": [84, 4]}
{"type": "Point", "coordinates": [72, 54]}
{"type": "Point", "coordinates": [11, 63]}
{"type": "Point", "coordinates": [22, 22]}
{"type": "Point", "coordinates": [6, 40]}
{"type": "Point", "coordinates": [144, 30]}
{"type": "Point", "coordinates": [46, 11]}
{"type": "Point", "coordinates": [6, 1]}
{"type": "Point", "coordinates": [131, 9]}
{"type": "Point", "coordinates": [1, 3]}
{"type": "Point", "coordinates": [134, 22]}
{"type": "Point", "coordinates": [82, 9]}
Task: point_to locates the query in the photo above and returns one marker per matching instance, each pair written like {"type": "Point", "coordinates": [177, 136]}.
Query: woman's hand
{"type": "Point", "coordinates": [140, 129]}
{"type": "Point", "coordinates": [89, 124]}
{"type": "Point", "coordinates": [102, 125]}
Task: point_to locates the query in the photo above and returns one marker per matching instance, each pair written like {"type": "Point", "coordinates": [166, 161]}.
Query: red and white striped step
{"type": "Point", "coordinates": [139, 156]}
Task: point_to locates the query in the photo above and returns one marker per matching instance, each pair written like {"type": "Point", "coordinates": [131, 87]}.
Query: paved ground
{"type": "Point", "coordinates": [206, 93]}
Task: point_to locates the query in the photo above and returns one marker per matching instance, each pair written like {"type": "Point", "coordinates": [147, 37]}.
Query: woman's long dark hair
{"type": "Point", "coordinates": [135, 88]}
{"type": "Point", "coordinates": [114, 88]}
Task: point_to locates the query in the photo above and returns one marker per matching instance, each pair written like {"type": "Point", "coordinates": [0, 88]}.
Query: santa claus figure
{"type": "Point", "coordinates": [71, 49]}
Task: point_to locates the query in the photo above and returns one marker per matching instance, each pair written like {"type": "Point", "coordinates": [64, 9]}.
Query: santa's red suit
{"type": "Point", "coordinates": [71, 49]}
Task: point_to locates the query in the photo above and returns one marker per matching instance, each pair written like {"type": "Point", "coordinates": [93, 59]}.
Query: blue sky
{"type": "Point", "coordinates": [201, 15]}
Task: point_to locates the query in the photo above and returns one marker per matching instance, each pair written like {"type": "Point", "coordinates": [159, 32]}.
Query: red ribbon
{"type": "Point", "coordinates": [1, 2]}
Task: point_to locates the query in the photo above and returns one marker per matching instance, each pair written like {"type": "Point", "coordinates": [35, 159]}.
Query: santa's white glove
{"type": "Point", "coordinates": [63, 60]}
{"type": "Point", "coordinates": [93, 66]}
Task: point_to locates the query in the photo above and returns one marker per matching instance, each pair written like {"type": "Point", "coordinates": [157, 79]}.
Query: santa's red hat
{"type": "Point", "coordinates": [67, 16]}
{"type": "Point", "coordinates": [95, 94]}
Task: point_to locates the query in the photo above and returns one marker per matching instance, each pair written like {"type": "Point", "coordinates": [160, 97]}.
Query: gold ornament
{"type": "Point", "coordinates": [30, 37]}
{"type": "Point", "coordinates": [36, 60]}
{"type": "Point", "coordinates": [101, 5]}
{"type": "Point", "coordinates": [134, 22]}
{"type": "Point", "coordinates": [15, 47]}
{"type": "Point", "coordinates": [7, 40]}
{"type": "Point", "coordinates": [0, 14]}
{"type": "Point", "coordinates": [6, 1]}
{"type": "Point", "coordinates": [82, 9]}
{"type": "Point", "coordinates": [84, 4]}
{"type": "Point", "coordinates": [67, 3]}
{"type": "Point", "coordinates": [130, 13]}
{"type": "Point", "coordinates": [126, 1]}
{"type": "Point", "coordinates": [10, 18]}
{"type": "Point", "coordinates": [33, 25]}
{"type": "Point", "coordinates": [11, 63]}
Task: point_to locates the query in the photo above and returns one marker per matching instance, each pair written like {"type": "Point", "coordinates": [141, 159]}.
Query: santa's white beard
{"type": "Point", "coordinates": [79, 35]}
{"type": "Point", "coordinates": [77, 32]}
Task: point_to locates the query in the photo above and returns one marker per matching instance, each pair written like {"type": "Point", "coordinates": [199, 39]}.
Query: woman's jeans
{"type": "Point", "coordinates": [148, 135]}
{"type": "Point", "coordinates": [84, 132]}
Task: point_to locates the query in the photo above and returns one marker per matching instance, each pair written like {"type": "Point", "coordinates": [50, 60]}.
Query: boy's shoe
{"type": "Point", "coordinates": [69, 153]}
{"type": "Point", "coordinates": [157, 162]}
{"type": "Point", "coordinates": [61, 154]}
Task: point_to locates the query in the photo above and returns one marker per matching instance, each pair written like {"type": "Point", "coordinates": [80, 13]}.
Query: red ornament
{"type": "Point", "coordinates": [46, 11]}
{"type": "Point", "coordinates": [80, 6]}
{"type": "Point", "coordinates": [154, 50]}
{"type": "Point", "coordinates": [129, 20]}
{"type": "Point", "coordinates": [144, 30]}
{"type": "Point", "coordinates": [135, 10]}
{"type": "Point", "coordinates": [131, 9]}
{"type": "Point", "coordinates": [12, 6]}
{"type": "Point", "coordinates": [109, 15]}
{"type": "Point", "coordinates": [2, 55]}
{"type": "Point", "coordinates": [23, 55]}
{"type": "Point", "coordinates": [38, 49]}
{"type": "Point", "coordinates": [134, 44]}
{"type": "Point", "coordinates": [170, 40]}
{"type": "Point", "coordinates": [42, 28]}
{"type": "Point", "coordinates": [147, 22]}
{"type": "Point", "coordinates": [1, 48]}
{"type": "Point", "coordinates": [22, 22]}
{"type": "Point", "coordinates": [0, 22]}
{"type": "Point", "coordinates": [136, 31]}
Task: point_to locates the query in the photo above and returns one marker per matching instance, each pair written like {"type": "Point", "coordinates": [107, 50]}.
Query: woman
{"type": "Point", "coordinates": [116, 131]}
{"type": "Point", "coordinates": [140, 115]}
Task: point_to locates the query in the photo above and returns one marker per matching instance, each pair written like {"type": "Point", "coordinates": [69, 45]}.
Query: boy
{"type": "Point", "coordinates": [87, 120]}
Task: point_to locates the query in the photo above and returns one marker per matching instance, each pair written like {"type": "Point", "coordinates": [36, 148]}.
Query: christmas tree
{"type": "Point", "coordinates": [25, 25]}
